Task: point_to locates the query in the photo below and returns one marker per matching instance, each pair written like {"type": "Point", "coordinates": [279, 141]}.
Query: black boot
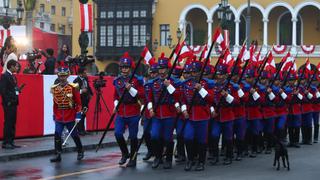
{"type": "Point", "coordinates": [223, 148]}
{"type": "Point", "coordinates": [261, 138]}
{"type": "Point", "coordinates": [149, 146]}
{"type": "Point", "coordinates": [57, 148]}
{"type": "Point", "coordinates": [157, 151]}
{"type": "Point", "coordinates": [254, 146]}
{"type": "Point", "coordinates": [296, 136]}
{"type": "Point", "coordinates": [210, 149]}
{"type": "Point", "coordinates": [202, 151]}
{"type": "Point", "coordinates": [239, 144]}
{"type": "Point", "coordinates": [169, 154]}
{"type": "Point", "coordinates": [309, 136]}
{"type": "Point", "coordinates": [133, 150]}
{"type": "Point", "coordinates": [316, 133]}
{"type": "Point", "coordinates": [229, 152]}
{"type": "Point", "coordinates": [124, 150]}
{"type": "Point", "coordinates": [269, 143]}
{"type": "Point", "coordinates": [215, 148]}
{"type": "Point", "coordinates": [190, 154]}
{"type": "Point", "coordinates": [181, 155]}
{"type": "Point", "coordinates": [291, 137]}
{"type": "Point", "coordinates": [303, 132]}
{"type": "Point", "coordinates": [78, 143]}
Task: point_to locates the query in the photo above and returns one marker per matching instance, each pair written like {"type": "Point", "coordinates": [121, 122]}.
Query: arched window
{"type": "Point", "coordinates": [285, 29]}
{"type": "Point", "coordinates": [189, 33]}
{"type": "Point", "coordinates": [242, 29]}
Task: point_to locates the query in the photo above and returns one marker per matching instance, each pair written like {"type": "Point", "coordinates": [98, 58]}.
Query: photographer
{"type": "Point", "coordinates": [9, 92]}
{"type": "Point", "coordinates": [50, 62]}
{"type": "Point", "coordinates": [85, 93]}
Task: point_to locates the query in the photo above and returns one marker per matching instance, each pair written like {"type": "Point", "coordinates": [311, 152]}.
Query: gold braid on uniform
{"type": "Point", "coordinates": [62, 96]}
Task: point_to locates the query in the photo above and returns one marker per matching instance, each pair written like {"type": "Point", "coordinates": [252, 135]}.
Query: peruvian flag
{"type": "Point", "coordinates": [287, 64]}
{"type": "Point", "coordinates": [3, 36]}
{"type": "Point", "coordinates": [218, 38]}
{"type": "Point", "coordinates": [146, 54]}
{"type": "Point", "coordinates": [308, 67]}
{"type": "Point", "coordinates": [204, 52]}
{"type": "Point", "coordinates": [271, 64]}
{"type": "Point", "coordinates": [185, 51]}
{"type": "Point", "coordinates": [86, 17]}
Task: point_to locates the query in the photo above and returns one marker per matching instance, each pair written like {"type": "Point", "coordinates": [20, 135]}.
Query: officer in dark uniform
{"type": "Point", "coordinates": [85, 93]}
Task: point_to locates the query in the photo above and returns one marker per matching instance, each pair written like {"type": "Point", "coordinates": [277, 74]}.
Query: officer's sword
{"type": "Point", "coordinates": [74, 126]}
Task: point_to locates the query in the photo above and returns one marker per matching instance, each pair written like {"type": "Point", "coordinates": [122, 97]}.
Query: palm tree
{"type": "Point", "coordinates": [29, 6]}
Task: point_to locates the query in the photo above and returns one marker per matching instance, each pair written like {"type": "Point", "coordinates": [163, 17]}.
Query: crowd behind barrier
{"type": "Point", "coordinates": [35, 110]}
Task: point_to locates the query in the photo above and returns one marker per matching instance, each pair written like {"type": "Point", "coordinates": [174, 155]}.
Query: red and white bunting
{"type": "Point", "coordinates": [86, 15]}
{"type": "Point", "coordinates": [3, 36]}
{"type": "Point", "coordinates": [279, 49]}
{"type": "Point", "coordinates": [308, 49]}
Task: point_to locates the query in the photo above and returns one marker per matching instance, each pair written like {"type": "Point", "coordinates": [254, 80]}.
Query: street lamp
{"type": "Point", "coordinates": [7, 20]}
{"type": "Point", "coordinates": [179, 35]}
{"type": "Point", "coordinates": [224, 13]}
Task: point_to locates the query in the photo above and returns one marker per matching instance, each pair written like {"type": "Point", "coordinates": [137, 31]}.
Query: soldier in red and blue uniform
{"type": "Point", "coordinates": [315, 106]}
{"type": "Point", "coordinates": [281, 108]}
{"type": "Point", "coordinates": [197, 116]}
{"type": "Point", "coordinates": [294, 110]}
{"type": "Point", "coordinates": [307, 109]}
{"type": "Point", "coordinates": [128, 114]}
{"type": "Point", "coordinates": [253, 113]}
{"type": "Point", "coordinates": [267, 109]}
{"type": "Point", "coordinates": [222, 123]}
{"type": "Point", "coordinates": [153, 73]}
{"type": "Point", "coordinates": [239, 124]}
{"type": "Point", "coordinates": [163, 111]}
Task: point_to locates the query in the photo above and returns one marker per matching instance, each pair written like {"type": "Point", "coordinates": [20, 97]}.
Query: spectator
{"type": "Point", "coordinates": [50, 62]}
{"type": "Point", "coordinates": [10, 53]}
{"type": "Point", "coordinates": [9, 92]}
{"type": "Point", "coordinates": [64, 53]}
{"type": "Point", "coordinates": [8, 43]}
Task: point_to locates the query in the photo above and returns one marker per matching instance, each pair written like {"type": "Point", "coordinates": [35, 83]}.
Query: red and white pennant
{"type": "Point", "coordinates": [86, 17]}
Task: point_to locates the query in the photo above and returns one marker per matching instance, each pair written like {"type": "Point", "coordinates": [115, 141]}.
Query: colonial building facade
{"type": "Point", "coordinates": [120, 26]}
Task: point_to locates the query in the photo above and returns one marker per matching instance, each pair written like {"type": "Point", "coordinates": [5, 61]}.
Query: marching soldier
{"type": "Point", "coordinates": [197, 117]}
{"type": "Point", "coordinates": [268, 110]}
{"type": "Point", "coordinates": [163, 113]}
{"type": "Point", "coordinates": [66, 112]}
{"type": "Point", "coordinates": [239, 126]}
{"type": "Point", "coordinates": [153, 73]}
{"type": "Point", "coordinates": [294, 110]}
{"type": "Point", "coordinates": [254, 115]}
{"type": "Point", "coordinates": [306, 126]}
{"type": "Point", "coordinates": [223, 115]}
{"type": "Point", "coordinates": [315, 106]}
{"type": "Point", "coordinates": [129, 110]}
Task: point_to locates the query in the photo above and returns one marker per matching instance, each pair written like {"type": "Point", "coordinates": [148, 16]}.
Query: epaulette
{"type": "Point", "coordinates": [74, 85]}
{"type": "Point", "coordinates": [53, 86]}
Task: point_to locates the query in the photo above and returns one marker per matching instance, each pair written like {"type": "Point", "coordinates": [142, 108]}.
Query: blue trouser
{"type": "Point", "coordinates": [268, 125]}
{"type": "Point", "coordinates": [294, 121]}
{"type": "Point", "coordinates": [196, 130]}
{"type": "Point", "coordinates": [147, 125]}
{"type": "Point", "coordinates": [240, 126]}
{"type": "Point", "coordinates": [315, 117]}
{"type": "Point", "coordinates": [280, 122]}
{"type": "Point", "coordinates": [254, 126]}
{"type": "Point", "coordinates": [122, 122]}
{"type": "Point", "coordinates": [307, 120]}
{"type": "Point", "coordinates": [179, 127]}
{"type": "Point", "coordinates": [69, 125]}
{"type": "Point", "coordinates": [222, 127]}
{"type": "Point", "coordinates": [162, 129]}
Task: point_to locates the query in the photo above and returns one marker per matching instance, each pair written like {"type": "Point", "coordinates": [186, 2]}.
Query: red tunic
{"type": "Point", "coordinates": [293, 102]}
{"type": "Point", "coordinates": [200, 109]}
{"type": "Point", "coordinates": [239, 110]}
{"type": "Point", "coordinates": [66, 102]}
{"type": "Point", "coordinates": [225, 109]}
{"type": "Point", "coordinates": [129, 106]}
{"type": "Point", "coordinates": [253, 111]}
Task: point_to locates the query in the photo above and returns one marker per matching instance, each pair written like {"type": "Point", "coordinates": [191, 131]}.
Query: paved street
{"type": "Point", "coordinates": [305, 163]}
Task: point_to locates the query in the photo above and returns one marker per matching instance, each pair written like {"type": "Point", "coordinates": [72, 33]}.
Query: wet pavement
{"type": "Point", "coordinates": [305, 163]}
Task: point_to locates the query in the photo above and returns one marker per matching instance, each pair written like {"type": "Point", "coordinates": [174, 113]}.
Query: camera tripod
{"type": "Point", "coordinates": [97, 108]}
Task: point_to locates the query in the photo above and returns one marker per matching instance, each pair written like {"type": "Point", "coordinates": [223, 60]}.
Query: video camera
{"type": "Point", "coordinates": [35, 54]}
{"type": "Point", "coordinates": [100, 82]}
{"type": "Point", "coordinates": [81, 60]}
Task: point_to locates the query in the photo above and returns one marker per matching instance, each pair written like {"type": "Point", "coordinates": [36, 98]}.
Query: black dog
{"type": "Point", "coordinates": [281, 151]}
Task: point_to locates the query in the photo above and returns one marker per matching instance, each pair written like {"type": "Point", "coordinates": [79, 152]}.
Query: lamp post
{"type": "Point", "coordinates": [224, 14]}
{"type": "Point", "coordinates": [179, 35]}
{"type": "Point", "coordinates": [7, 19]}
